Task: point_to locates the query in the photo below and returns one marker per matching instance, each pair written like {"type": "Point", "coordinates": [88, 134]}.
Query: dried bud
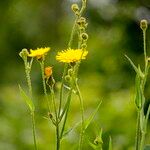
{"type": "Point", "coordinates": [84, 36]}
{"type": "Point", "coordinates": [48, 71]}
{"type": "Point", "coordinates": [143, 24]}
{"type": "Point", "coordinates": [50, 115]}
{"type": "Point", "coordinates": [75, 7]}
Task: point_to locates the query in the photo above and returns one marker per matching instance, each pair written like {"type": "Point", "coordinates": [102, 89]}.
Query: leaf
{"type": "Point", "coordinates": [147, 147]}
{"type": "Point", "coordinates": [110, 143]}
{"type": "Point", "coordinates": [89, 120]}
{"type": "Point", "coordinates": [132, 64]}
{"type": "Point", "coordinates": [27, 100]}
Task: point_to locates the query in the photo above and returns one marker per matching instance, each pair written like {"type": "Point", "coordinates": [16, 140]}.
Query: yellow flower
{"type": "Point", "coordinates": [71, 55]}
{"type": "Point", "coordinates": [39, 52]}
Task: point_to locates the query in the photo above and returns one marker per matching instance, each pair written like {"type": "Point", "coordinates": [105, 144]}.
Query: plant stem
{"type": "Point", "coordinates": [33, 130]}
{"type": "Point", "coordinates": [82, 115]}
{"type": "Point", "coordinates": [66, 114]}
{"type": "Point", "coordinates": [56, 117]}
{"type": "Point", "coordinates": [44, 84]}
{"type": "Point", "coordinates": [27, 71]}
{"type": "Point", "coordinates": [138, 132]}
{"type": "Point", "coordinates": [61, 88]}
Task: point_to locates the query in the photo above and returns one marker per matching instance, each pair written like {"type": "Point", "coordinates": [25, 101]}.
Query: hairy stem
{"type": "Point", "coordinates": [44, 84]}
{"type": "Point", "coordinates": [82, 115]}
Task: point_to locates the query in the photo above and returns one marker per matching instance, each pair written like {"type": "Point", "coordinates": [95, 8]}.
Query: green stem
{"type": "Point", "coordinates": [27, 71]}
{"type": "Point", "coordinates": [82, 115]}
{"type": "Point", "coordinates": [61, 88]}
{"type": "Point", "coordinates": [44, 84]}
{"type": "Point", "coordinates": [66, 113]}
{"type": "Point", "coordinates": [57, 119]}
{"type": "Point", "coordinates": [33, 129]}
{"type": "Point", "coordinates": [138, 132]}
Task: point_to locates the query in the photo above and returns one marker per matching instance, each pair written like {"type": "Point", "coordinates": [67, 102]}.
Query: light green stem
{"type": "Point", "coordinates": [27, 71]}
{"type": "Point", "coordinates": [44, 84]}
{"type": "Point", "coordinates": [82, 115]}
{"type": "Point", "coordinates": [66, 113]}
{"type": "Point", "coordinates": [61, 88]}
{"type": "Point", "coordinates": [33, 129]}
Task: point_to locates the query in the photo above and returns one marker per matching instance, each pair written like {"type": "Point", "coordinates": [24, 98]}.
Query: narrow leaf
{"type": "Point", "coordinates": [27, 100]}
{"type": "Point", "coordinates": [132, 64]}
{"type": "Point", "coordinates": [89, 120]}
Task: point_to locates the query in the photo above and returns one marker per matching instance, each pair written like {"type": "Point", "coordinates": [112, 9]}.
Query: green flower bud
{"type": "Point", "coordinates": [67, 78]}
{"type": "Point", "coordinates": [98, 141]}
{"type": "Point", "coordinates": [24, 53]}
{"type": "Point", "coordinates": [75, 7]}
{"type": "Point", "coordinates": [81, 21]}
{"type": "Point", "coordinates": [84, 36]}
{"type": "Point", "coordinates": [70, 72]}
{"type": "Point", "coordinates": [84, 46]}
{"type": "Point", "coordinates": [143, 24]}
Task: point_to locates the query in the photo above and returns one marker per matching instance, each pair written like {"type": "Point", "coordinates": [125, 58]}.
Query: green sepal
{"type": "Point", "coordinates": [27, 100]}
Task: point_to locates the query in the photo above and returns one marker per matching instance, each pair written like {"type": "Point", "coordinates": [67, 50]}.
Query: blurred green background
{"type": "Point", "coordinates": [106, 75]}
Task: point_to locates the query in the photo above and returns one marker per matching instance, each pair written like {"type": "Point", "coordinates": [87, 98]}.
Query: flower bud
{"type": "Point", "coordinates": [84, 46]}
{"type": "Point", "coordinates": [75, 7]}
{"type": "Point", "coordinates": [98, 141]}
{"type": "Point", "coordinates": [70, 72]}
{"type": "Point", "coordinates": [143, 24]}
{"type": "Point", "coordinates": [81, 21]}
{"type": "Point", "coordinates": [24, 53]}
{"type": "Point", "coordinates": [67, 78]}
{"type": "Point", "coordinates": [84, 36]}
{"type": "Point", "coordinates": [48, 71]}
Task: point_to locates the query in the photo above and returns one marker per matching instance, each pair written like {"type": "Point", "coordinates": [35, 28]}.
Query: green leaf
{"type": "Point", "coordinates": [110, 143]}
{"type": "Point", "coordinates": [89, 120]}
{"type": "Point", "coordinates": [147, 147]}
{"type": "Point", "coordinates": [27, 100]}
{"type": "Point", "coordinates": [132, 64]}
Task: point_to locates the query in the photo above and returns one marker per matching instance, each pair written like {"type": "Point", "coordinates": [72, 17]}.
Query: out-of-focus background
{"type": "Point", "coordinates": [106, 75]}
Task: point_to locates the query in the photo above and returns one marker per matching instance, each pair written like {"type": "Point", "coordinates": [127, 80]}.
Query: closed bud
{"type": "Point", "coordinates": [67, 78]}
{"type": "Point", "coordinates": [98, 141]}
{"type": "Point", "coordinates": [143, 24]}
{"type": "Point", "coordinates": [75, 7]}
{"type": "Point", "coordinates": [84, 46]}
{"type": "Point", "coordinates": [24, 53]}
{"type": "Point", "coordinates": [82, 22]}
{"type": "Point", "coordinates": [84, 36]}
{"type": "Point", "coordinates": [70, 72]}
{"type": "Point", "coordinates": [48, 71]}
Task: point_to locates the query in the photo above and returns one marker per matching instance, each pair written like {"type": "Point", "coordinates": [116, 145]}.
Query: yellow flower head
{"type": "Point", "coordinates": [39, 52]}
{"type": "Point", "coordinates": [71, 55]}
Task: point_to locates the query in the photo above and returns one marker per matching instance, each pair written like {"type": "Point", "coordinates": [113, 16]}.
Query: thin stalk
{"type": "Point", "coordinates": [61, 88]}
{"type": "Point", "coordinates": [138, 132]}
{"type": "Point", "coordinates": [145, 129]}
{"type": "Point", "coordinates": [33, 130]}
{"type": "Point", "coordinates": [27, 71]}
{"type": "Point", "coordinates": [44, 84]}
{"type": "Point", "coordinates": [57, 119]}
{"type": "Point", "coordinates": [144, 44]}
{"type": "Point", "coordinates": [82, 115]}
{"type": "Point", "coordinates": [66, 114]}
